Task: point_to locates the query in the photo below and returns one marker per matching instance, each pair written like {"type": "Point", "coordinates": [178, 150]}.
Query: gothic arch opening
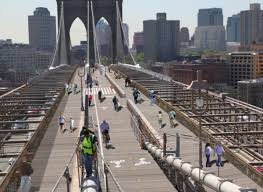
{"type": "Point", "coordinates": [78, 39]}
{"type": "Point", "coordinates": [104, 41]}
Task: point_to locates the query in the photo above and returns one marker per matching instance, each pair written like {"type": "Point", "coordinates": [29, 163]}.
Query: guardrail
{"type": "Point", "coordinates": [182, 174]}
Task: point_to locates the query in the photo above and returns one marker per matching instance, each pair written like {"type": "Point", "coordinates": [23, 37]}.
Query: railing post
{"type": "Point", "coordinates": [164, 144]}
{"type": "Point", "coordinates": [67, 176]}
{"type": "Point", "coordinates": [106, 178]}
{"type": "Point", "coordinates": [177, 145]}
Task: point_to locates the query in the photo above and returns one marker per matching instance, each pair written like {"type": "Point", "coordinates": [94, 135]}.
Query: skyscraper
{"type": "Point", "coordinates": [210, 33]}
{"type": "Point", "coordinates": [210, 17]}
{"type": "Point", "coordinates": [251, 23]}
{"type": "Point", "coordinates": [103, 31]}
{"type": "Point", "coordinates": [138, 42]}
{"type": "Point", "coordinates": [184, 34]}
{"type": "Point", "coordinates": [42, 29]}
{"type": "Point", "coordinates": [161, 39]}
{"type": "Point", "coordinates": [233, 28]}
{"type": "Point", "coordinates": [210, 38]}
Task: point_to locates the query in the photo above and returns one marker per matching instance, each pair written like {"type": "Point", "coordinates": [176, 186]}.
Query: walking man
{"type": "Point", "coordinates": [208, 152]}
{"type": "Point", "coordinates": [127, 82]}
{"type": "Point", "coordinates": [136, 94]}
{"type": "Point", "coordinates": [26, 170]}
{"type": "Point", "coordinates": [115, 103]}
{"type": "Point", "coordinates": [88, 151]}
{"type": "Point", "coordinates": [160, 119]}
{"type": "Point", "coordinates": [172, 115]}
{"type": "Point", "coordinates": [219, 150]}
{"type": "Point", "coordinates": [71, 126]}
{"type": "Point", "coordinates": [66, 89]}
{"type": "Point", "coordinates": [75, 89]}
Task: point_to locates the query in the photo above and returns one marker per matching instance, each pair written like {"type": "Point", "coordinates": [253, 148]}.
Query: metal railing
{"type": "Point", "coordinates": [64, 183]}
{"type": "Point", "coordinates": [111, 182]}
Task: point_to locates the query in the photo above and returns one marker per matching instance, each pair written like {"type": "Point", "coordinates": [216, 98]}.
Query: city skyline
{"type": "Point", "coordinates": [16, 26]}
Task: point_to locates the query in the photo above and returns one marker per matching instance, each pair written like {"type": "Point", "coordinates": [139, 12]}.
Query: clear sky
{"type": "Point", "coordinates": [14, 25]}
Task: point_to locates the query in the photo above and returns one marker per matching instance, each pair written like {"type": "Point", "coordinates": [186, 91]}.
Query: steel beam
{"type": "Point", "coordinates": [238, 133]}
{"type": "Point", "coordinates": [231, 123]}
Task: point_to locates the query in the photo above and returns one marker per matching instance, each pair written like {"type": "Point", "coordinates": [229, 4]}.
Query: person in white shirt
{"type": "Point", "coordinates": [71, 126]}
{"type": "Point", "coordinates": [208, 152]}
{"type": "Point", "coordinates": [219, 150]}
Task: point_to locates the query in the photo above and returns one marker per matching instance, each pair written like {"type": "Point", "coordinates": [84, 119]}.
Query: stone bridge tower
{"type": "Point", "coordinates": [79, 9]}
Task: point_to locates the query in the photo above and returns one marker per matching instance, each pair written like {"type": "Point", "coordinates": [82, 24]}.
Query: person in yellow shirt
{"type": "Point", "coordinates": [88, 151]}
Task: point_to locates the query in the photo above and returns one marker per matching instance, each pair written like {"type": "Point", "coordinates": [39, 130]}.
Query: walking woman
{"type": "Point", "coordinates": [208, 152]}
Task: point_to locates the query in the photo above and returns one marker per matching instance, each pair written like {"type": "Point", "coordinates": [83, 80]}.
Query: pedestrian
{"type": "Point", "coordinates": [172, 115]}
{"type": "Point", "coordinates": [90, 86]}
{"type": "Point", "coordinates": [71, 126]}
{"type": "Point", "coordinates": [152, 97]}
{"type": "Point", "coordinates": [90, 100]}
{"type": "Point", "coordinates": [219, 150]}
{"type": "Point", "coordinates": [160, 119]}
{"type": "Point", "coordinates": [84, 128]}
{"type": "Point", "coordinates": [127, 82]}
{"type": "Point", "coordinates": [105, 129]}
{"type": "Point", "coordinates": [100, 95]}
{"type": "Point", "coordinates": [66, 89]}
{"type": "Point", "coordinates": [208, 152]}
{"type": "Point", "coordinates": [75, 89]}
{"type": "Point", "coordinates": [136, 94]}
{"type": "Point", "coordinates": [26, 171]}
{"type": "Point", "coordinates": [96, 82]}
{"type": "Point", "coordinates": [88, 151]}
{"type": "Point", "coordinates": [115, 103]}
{"type": "Point", "coordinates": [61, 121]}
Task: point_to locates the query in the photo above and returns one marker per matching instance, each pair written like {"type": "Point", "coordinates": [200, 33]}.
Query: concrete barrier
{"type": "Point", "coordinates": [120, 92]}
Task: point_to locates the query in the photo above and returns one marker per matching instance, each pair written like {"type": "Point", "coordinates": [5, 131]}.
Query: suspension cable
{"type": "Point", "coordinates": [58, 36]}
{"type": "Point", "coordinates": [122, 30]}
{"type": "Point", "coordinates": [96, 50]}
{"type": "Point", "coordinates": [88, 39]}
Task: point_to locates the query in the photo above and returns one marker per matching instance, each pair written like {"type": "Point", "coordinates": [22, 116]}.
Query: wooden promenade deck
{"type": "Point", "coordinates": [189, 143]}
{"type": "Point", "coordinates": [56, 148]}
{"type": "Point", "coordinates": [134, 168]}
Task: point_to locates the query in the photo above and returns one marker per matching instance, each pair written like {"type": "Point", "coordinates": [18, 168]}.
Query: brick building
{"type": "Point", "coordinates": [214, 73]}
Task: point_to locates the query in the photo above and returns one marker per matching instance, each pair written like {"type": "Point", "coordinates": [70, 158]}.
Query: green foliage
{"type": "Point", "coordinates": [105, 61]}
{"type": "Point", "coordinates": [138, 58]}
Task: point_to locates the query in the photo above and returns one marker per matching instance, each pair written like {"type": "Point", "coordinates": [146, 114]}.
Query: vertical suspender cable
{"type": "Point", "coordinates": [88, 39]}
{"type": "Point", "coordinates": [94, 31]}
{"type": "Point", "coordinates": [122, 30]}
{"type": "Point", "coordinates": [95, 36]}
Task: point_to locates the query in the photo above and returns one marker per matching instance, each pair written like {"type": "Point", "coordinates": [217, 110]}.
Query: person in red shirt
{"type": "Point", "coordinates": [90, 100]}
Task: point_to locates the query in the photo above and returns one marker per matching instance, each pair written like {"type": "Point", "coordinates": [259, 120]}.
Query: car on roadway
{"type": "Point", "coordinates": [19, 125]}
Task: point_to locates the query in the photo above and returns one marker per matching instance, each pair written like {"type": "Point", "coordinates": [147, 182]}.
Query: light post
{"type": "Point", "coordinates": [199, 108]}
{"type": "Point", "coordinates": [81, 74]}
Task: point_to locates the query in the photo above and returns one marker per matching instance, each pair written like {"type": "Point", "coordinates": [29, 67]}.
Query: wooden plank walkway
{"type": "Point", "coordinates": [134, 168]}
{"type": "Point", "coordinates": [189, 145]}
{"type": "Point", "coordinates": [56, 148]}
